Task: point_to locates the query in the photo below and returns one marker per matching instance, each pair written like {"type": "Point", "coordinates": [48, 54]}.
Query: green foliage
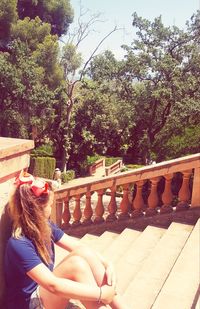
{"type": "Point", "coordinates": [110, 160]}
{"type": "Point", "coordinates": [184, 143]}
{"type": "Point", "coordinates": [25, 99]}
{"type": "Point", "coordinates": [71, 60]}
{"type": "Point", "coordinates": [30, 31]}
{"type": "Point", "coordinates": [67, 176]}
{"type": "Point", "coordinates": [134, 166]}
{"type": "Point", "coordinates": [46, 56]}
{"type": "Point", "coordinates": [92, 159]}
{"type": "Point", "coordinates": [42, 167]}
{"type": "Point", "coordinates": [58, 13]}
{"type": "Point", "coordinates": [45, 150]}
{"type": "Point", "coordinates": [8, 15]}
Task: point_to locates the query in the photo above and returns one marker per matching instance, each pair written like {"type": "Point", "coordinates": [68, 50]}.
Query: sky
{"type": "Point", "coordinates": [119, 13]}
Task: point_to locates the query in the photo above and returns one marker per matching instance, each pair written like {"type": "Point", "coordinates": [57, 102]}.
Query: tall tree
{"type": "Point", "coordinates": [8, 16]}
{"type": "Point", "coordinates": [58, 13]}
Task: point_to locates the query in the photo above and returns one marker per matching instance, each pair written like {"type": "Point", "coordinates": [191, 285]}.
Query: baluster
{"type": "Point", "coordinates": [184, 192]}
{"type": "Point", "coordinates": [66, 213]}
{"type": "Point", "coordinates": [77, 211]}
{"type": "Point", "coordinates": [167, 195]}
{"type": "Point", "coordinates": [138, 202]}
{"type": "Point", "coordinates": [112, 206]}
{"type": "Point", "coordinates": [153, 197]}
{"type": "Point", "coordinates": [57, 212]}
{"type": "Point", "coordinates": [88, 212]}
{"type": "Point", "coordinates": [125, 203]}
{"type": "Point", "coordinates": [195, 190]}
{"type": "Point", "coordinates": [99, 210]}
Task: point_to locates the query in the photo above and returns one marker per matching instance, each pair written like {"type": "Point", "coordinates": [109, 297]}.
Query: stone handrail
{"type": "Point", "coordinates": [130, 206]}
{"type": "Point", "coordinates": [96, 165]}
{"type": "Point", "coordinates": [114, 168]}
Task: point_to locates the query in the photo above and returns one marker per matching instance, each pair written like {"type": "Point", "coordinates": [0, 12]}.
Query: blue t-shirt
{"type": "Point", "coordinates": [20, 257]}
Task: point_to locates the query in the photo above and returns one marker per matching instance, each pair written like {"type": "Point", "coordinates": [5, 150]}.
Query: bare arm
{"type": "Point", "coordinates": [69, 243]}
{"type": "Point", "coordinates": [67, 288]}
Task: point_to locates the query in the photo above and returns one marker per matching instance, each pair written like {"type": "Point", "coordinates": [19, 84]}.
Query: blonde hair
{"type": "Point", "coordinates": [27, 213]}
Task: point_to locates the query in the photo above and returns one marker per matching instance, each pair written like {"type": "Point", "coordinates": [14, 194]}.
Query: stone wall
{"type": "Point", "coordinates": [14, 156]}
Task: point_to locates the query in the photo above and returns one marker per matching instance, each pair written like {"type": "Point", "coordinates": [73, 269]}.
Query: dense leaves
{"type": "Point", "coordinates": [145, 106]}
{"type": "Point", "coordinates": [58, 13]}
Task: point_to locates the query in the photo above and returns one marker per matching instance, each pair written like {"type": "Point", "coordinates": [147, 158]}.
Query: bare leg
{"type": "Point", "coordinates": [77, 269]}
{"type": "Point", "coordinates": [98, 271]}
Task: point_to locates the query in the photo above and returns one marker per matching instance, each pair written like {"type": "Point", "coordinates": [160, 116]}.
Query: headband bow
{"type": "Point", "coordinates": [38, 186]}
{"type": "Point", "coordinates": [23, 178]}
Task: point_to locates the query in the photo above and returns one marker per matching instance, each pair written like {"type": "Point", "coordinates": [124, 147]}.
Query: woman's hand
{"type": "Point", "coordinates": [110, 275]}
{"type": "Point", "coordinates": [107, 294]}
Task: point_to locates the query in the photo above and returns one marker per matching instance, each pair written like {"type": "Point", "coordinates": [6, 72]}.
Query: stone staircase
{"type": "Point", "coordinates": [157, 268]}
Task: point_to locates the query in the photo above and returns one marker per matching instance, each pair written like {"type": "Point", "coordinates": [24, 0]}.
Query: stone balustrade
{"type": "Point", "coordinates": [114, 168]}
{"type": "Point", "coordinates": [140, 194]}
{"type": "Point", "coordinates": [99, 164]}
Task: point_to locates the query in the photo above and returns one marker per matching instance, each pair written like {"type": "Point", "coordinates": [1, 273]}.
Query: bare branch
{"type": "Point", "coordinates": [95, 50]}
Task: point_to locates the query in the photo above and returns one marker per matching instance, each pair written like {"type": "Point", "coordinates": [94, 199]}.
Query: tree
{"type": "Point", "coordinates": [71, 61]}
{"type": "Point", "coordinates": [25, 99]}
{"type": "Point", "coordinates": [8, 16]}
{"type": "Point", "coordinates": [58, 13]}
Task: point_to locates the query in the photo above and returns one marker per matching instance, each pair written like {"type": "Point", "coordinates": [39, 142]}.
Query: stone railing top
{"type": "Point", "coordinates": [143, 173]}
{"type": "Point", "coordinates": [13, 146]}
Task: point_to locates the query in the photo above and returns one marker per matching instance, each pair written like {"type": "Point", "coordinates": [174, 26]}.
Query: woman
{"type": "Point", "coordinates": [32, 281]}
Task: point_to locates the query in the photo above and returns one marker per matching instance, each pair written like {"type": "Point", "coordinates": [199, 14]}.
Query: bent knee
{"type": "Point", "coordinates": [78, 265]}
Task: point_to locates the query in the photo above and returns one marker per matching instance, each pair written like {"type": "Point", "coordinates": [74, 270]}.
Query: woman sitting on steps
{"type": "Point", "coordinates": [32, 281]}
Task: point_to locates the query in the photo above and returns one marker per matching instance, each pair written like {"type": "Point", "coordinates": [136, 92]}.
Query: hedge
{"type": "Point", "coordinates": [42, 167]}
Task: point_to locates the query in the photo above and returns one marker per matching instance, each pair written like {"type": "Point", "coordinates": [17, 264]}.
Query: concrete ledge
{"type": "Point", "coordinates": [14, 146]}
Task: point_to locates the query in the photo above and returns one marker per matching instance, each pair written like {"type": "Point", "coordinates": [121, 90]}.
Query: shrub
{"type": "Point", "coordinates": [45, 150]}
{"type": "Point", "coordinates": [42, 167]}
{"type": "Point", "coordinates": [92, 159]}
{"type": "Point", "coordinates": [133, 166]}
{"type": "Point", "coordinates": [69, 175]}
{"type": "Point", "coordinates": [110, 160]}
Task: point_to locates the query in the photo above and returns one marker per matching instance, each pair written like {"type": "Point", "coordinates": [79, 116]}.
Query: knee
{"type": "Point", "coordinates": [78, 265]}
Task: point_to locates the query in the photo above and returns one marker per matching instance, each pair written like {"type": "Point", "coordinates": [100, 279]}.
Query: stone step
{"type": "Point", "coordinates": [183, 281]}
{"type": "Point", "coordinates": [121, 244]}
{"type": "Point", "coordinates": [98, 243]}
{"type": "Point", "coordinates": [132, 260]}
{"type": "Point", "coordinates": [157, 266]}
{"type": "Point", "coordinates": [104, 241]}
{"type": "Point", "coordinates": [60, 253]}
{"type": "Point", "coordinates": [88, 239]}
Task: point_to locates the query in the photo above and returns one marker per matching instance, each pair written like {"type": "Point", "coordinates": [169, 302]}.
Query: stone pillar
{"type": "Point", "coordinates": [138, 202]}
{"type": "Point", "coordinates": [77, 214]}
{"type": "Point", "coordinates": [99, 210]}
{"type": "Point", "coordinates": [167, 195]}
{"type": "Point", "coordinates": [184, 192]}
{"type": "Point", "coordinates": [196, 188]}
{"type": "Point", "coordinates": [57, 212]}
{"type": "Point", "coordinates": [125, 203]}
{"type": "Point", "coordinates": [66, 214]}
{"type": "Point", "coordinates": [88, 212]}
{"type": "Point", "coordinates": [153, 197]}
{"type": "Point", "coordinates": [112, 206]}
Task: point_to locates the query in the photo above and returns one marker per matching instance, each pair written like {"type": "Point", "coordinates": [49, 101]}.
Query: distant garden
{"type": "Point", "coordinates": [144, 107]}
